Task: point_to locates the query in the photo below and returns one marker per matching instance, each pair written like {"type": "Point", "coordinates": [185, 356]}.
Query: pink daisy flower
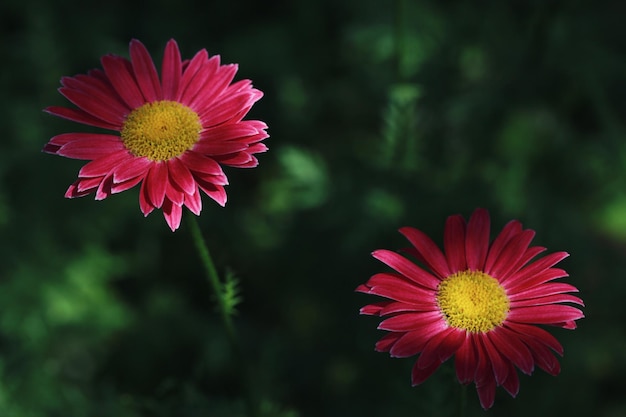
{"type": "Point", "coordinates": [173, 133]}
{"type": "Point", "coordinates": [476, 301]}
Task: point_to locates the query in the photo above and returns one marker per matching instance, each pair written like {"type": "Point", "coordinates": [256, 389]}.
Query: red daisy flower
{"type": "Point", "coordinates": [174, 133]}
{"type": "Point", "coordinates": [477, 301]}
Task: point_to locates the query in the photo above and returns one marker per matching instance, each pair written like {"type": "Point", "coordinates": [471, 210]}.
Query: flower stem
{"type": "Point", "coordinates": [225, 313]}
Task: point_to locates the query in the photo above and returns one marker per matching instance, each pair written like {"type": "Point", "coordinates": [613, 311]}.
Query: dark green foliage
{"type": "Point", "coordinates": [381, 115]}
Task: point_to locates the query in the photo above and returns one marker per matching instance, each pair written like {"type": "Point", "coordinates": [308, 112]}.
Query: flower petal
{"type": "Point", "coordinates": [419, 375]}
{"type": "Point", "coordinates": [131, 168]}
{"type": "Point", "coordinates": [454, 243]}
{"type": "Point", "coordinates": [87, 146]}
{"type": "Point", "coordinates": [145, 71]}
{"type": "Point", "coordinates": [427, 250]}
{"type": "Point", "coordinates": [172, 213]}
{"type": "Point", "coordinates": [119, 72]}
{"type": "Point", "coordinates": [155, 183]}
{"type": "Point", "coordinates": [406, 268]}
{"type": "Point", "coordinates": [181, 176]}
{"type": "Point", "coordinates": [477, 240]}
{"type": "Point", "coordinates": [413, 342]}
{"type": "Point", "coordinates": [509, 345]}
{"type": "Point", "coordinates": [550, 314]}
{"type": "Point", "coordinates": [102, 166]}
{"type": "Point", "coordinates": [510, 230]}
{"type": "Point", "coordinates": [410, 321]}
{"type": "Point", "coordinates": [81, 116]}
{"type": "Point", "coordinates": [171, 70]}
{"type": "Point", "coordinates": [200, 163]}
{"type": "Point", "coordinates": [511, 254]}
{"type": "Point", "coordinates": [441, 347]}
{"type": "Point", "coordinates": [465, 361]}
{"type": "Point", "coordinates": [193, 202]}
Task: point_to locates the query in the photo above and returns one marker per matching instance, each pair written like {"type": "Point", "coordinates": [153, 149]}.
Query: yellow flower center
{"type": "Point", "coordinates": [473, 301]}
{"type": "Point", "coordinates": [161, 130]}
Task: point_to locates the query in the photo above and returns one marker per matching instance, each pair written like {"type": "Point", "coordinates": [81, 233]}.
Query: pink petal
{"type": "Point", "coordinates": [398, 306]}
{"type": "Point", "coordinates": [419, 375]}
{"type": "Point", "coordinates": [210, 179]}
{"type": "Point", "coordinates": [189, 72]}
{"type": "Point", "coordinates": [374, 309]}
{"type": "Point", "coordinates": [428, 251]}
{"type": "Point", "coordinates": [465, 361]}
{"type": "Point", "coordinates": [543, 290]}
{"type": "Point", "coordinates": [228, 132]}
{"type": "Point", "coordinates": [477, 240]}
{"type": "Point", "coordinates": [171, 70]}
{"type": "Point", "coordinates": [549, 314]}
{"type": "Point", "coordinates": [194, 202]}
{"type": "Point", "coordinates": [511, 254]}
{"type": "Point", "coordinates": [239, 160]}
{"type": "Point", "coordinates": [155, 183]}
{"type": "Point", "coordinates": [218, 148]}
{"type": "Point", "coordinates": [441, 347]}
{"type": "Point", "coordinates": [537, 333]}
{"type": "Point", "coordinates": [543, 356]}
{"type": "Point", "coordinates": [486, 392]}
{"type": "Point", "coordinates": [224, 110]}
{"type": "Point", "coordinates": [509, 345]}
{"type": "Point", "coordinates": [412, 342]}
{"type": "Point", "coordinates": [216, 192]}
{"type": "Point", "coordinates": [411, 321]}
{"type": "Point", "coordinates": [104, 189]}
{"type": "Point", "coordinates": [102, 166]}
{"type": "Point", "coordinates": [511, 229]}
{"type": "Point", "coordinates": [387, 341]}
{"type": "Point", "coordinates": [80, 188]}
{"type": "Point", "coordinates": [145, 71]}
{"type": "Point", "coordinates": [118, 70]}
{"type": "Point", "coordinates": [406, 268]}
{"type": "Point", "coordinates": [90, 146]}
{"type": "Point", "coordinates": [181, 176]}
{"type": "Point", "coordinates": [144, 201]}
{"type": "Point", "coordinates": [199, 83]}
{"type": "Point", "coordinates": [214, 88]}
{"type": "Point", "coordinates": [534, 268]}
{"type": "Point", "coordinates": [511, 384]}
{"type": "Point", "coordinates": [396, 288]}
{"type": "Point", "coordinates": [517, 286]}
{"type": "Point", "coordinates": [96, 103]}
{"type": "Point", "coordinates": [499, 365]}
{"type": "Point", "coordinates": [88, 184]}
{"type": "Point", "coordinates": [131, 168]}
{"type": "Point", "coordinates": [118, 187]}
{"type": "Point", "coordinates": [173, 214]}
{"type": "Point", "coordinates": [546, 300]}
{"type": "Point", "coordinates": [80, 116]}
{"type": "Point", "coordinates": [454, 243]}
{"type": "Point", "coordinates": [484, 370]}
{"type": "Point", "coordinates": [200, 163]}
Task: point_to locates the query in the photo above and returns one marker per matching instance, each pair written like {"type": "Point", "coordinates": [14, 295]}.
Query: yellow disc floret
{"type": "Point", "coordinates": [472, 301]}
{"type": "Point", "coordinates": [161, 130]}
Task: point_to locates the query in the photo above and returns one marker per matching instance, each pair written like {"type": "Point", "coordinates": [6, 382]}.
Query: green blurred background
{"type": "Point", "coordinates": [382, 114]}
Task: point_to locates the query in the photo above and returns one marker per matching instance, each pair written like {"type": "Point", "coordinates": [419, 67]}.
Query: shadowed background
{"type": "Point", "coordinates": [381, 115]}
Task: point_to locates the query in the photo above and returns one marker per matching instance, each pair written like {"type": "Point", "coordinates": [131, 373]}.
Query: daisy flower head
{"type": "Point", "coordinates": [478, 301]}
{"type": "Point", "coordinates": [170, 133]}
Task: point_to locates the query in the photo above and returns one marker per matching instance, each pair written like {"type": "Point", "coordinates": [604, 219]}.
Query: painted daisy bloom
{"type": "Point", "coordinates": [171, 134]}
{"type": "Point", "coordinates": [477, 301]}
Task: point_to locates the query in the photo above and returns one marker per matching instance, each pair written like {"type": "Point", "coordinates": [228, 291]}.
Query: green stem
{"type": "Point", "coordinates": [227, 320]}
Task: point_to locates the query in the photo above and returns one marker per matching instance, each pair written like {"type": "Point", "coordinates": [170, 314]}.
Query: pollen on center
{"type": "Point", "coordinates": [473, 301]}
{"type": "Point", "coordinates": [161, 130]}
